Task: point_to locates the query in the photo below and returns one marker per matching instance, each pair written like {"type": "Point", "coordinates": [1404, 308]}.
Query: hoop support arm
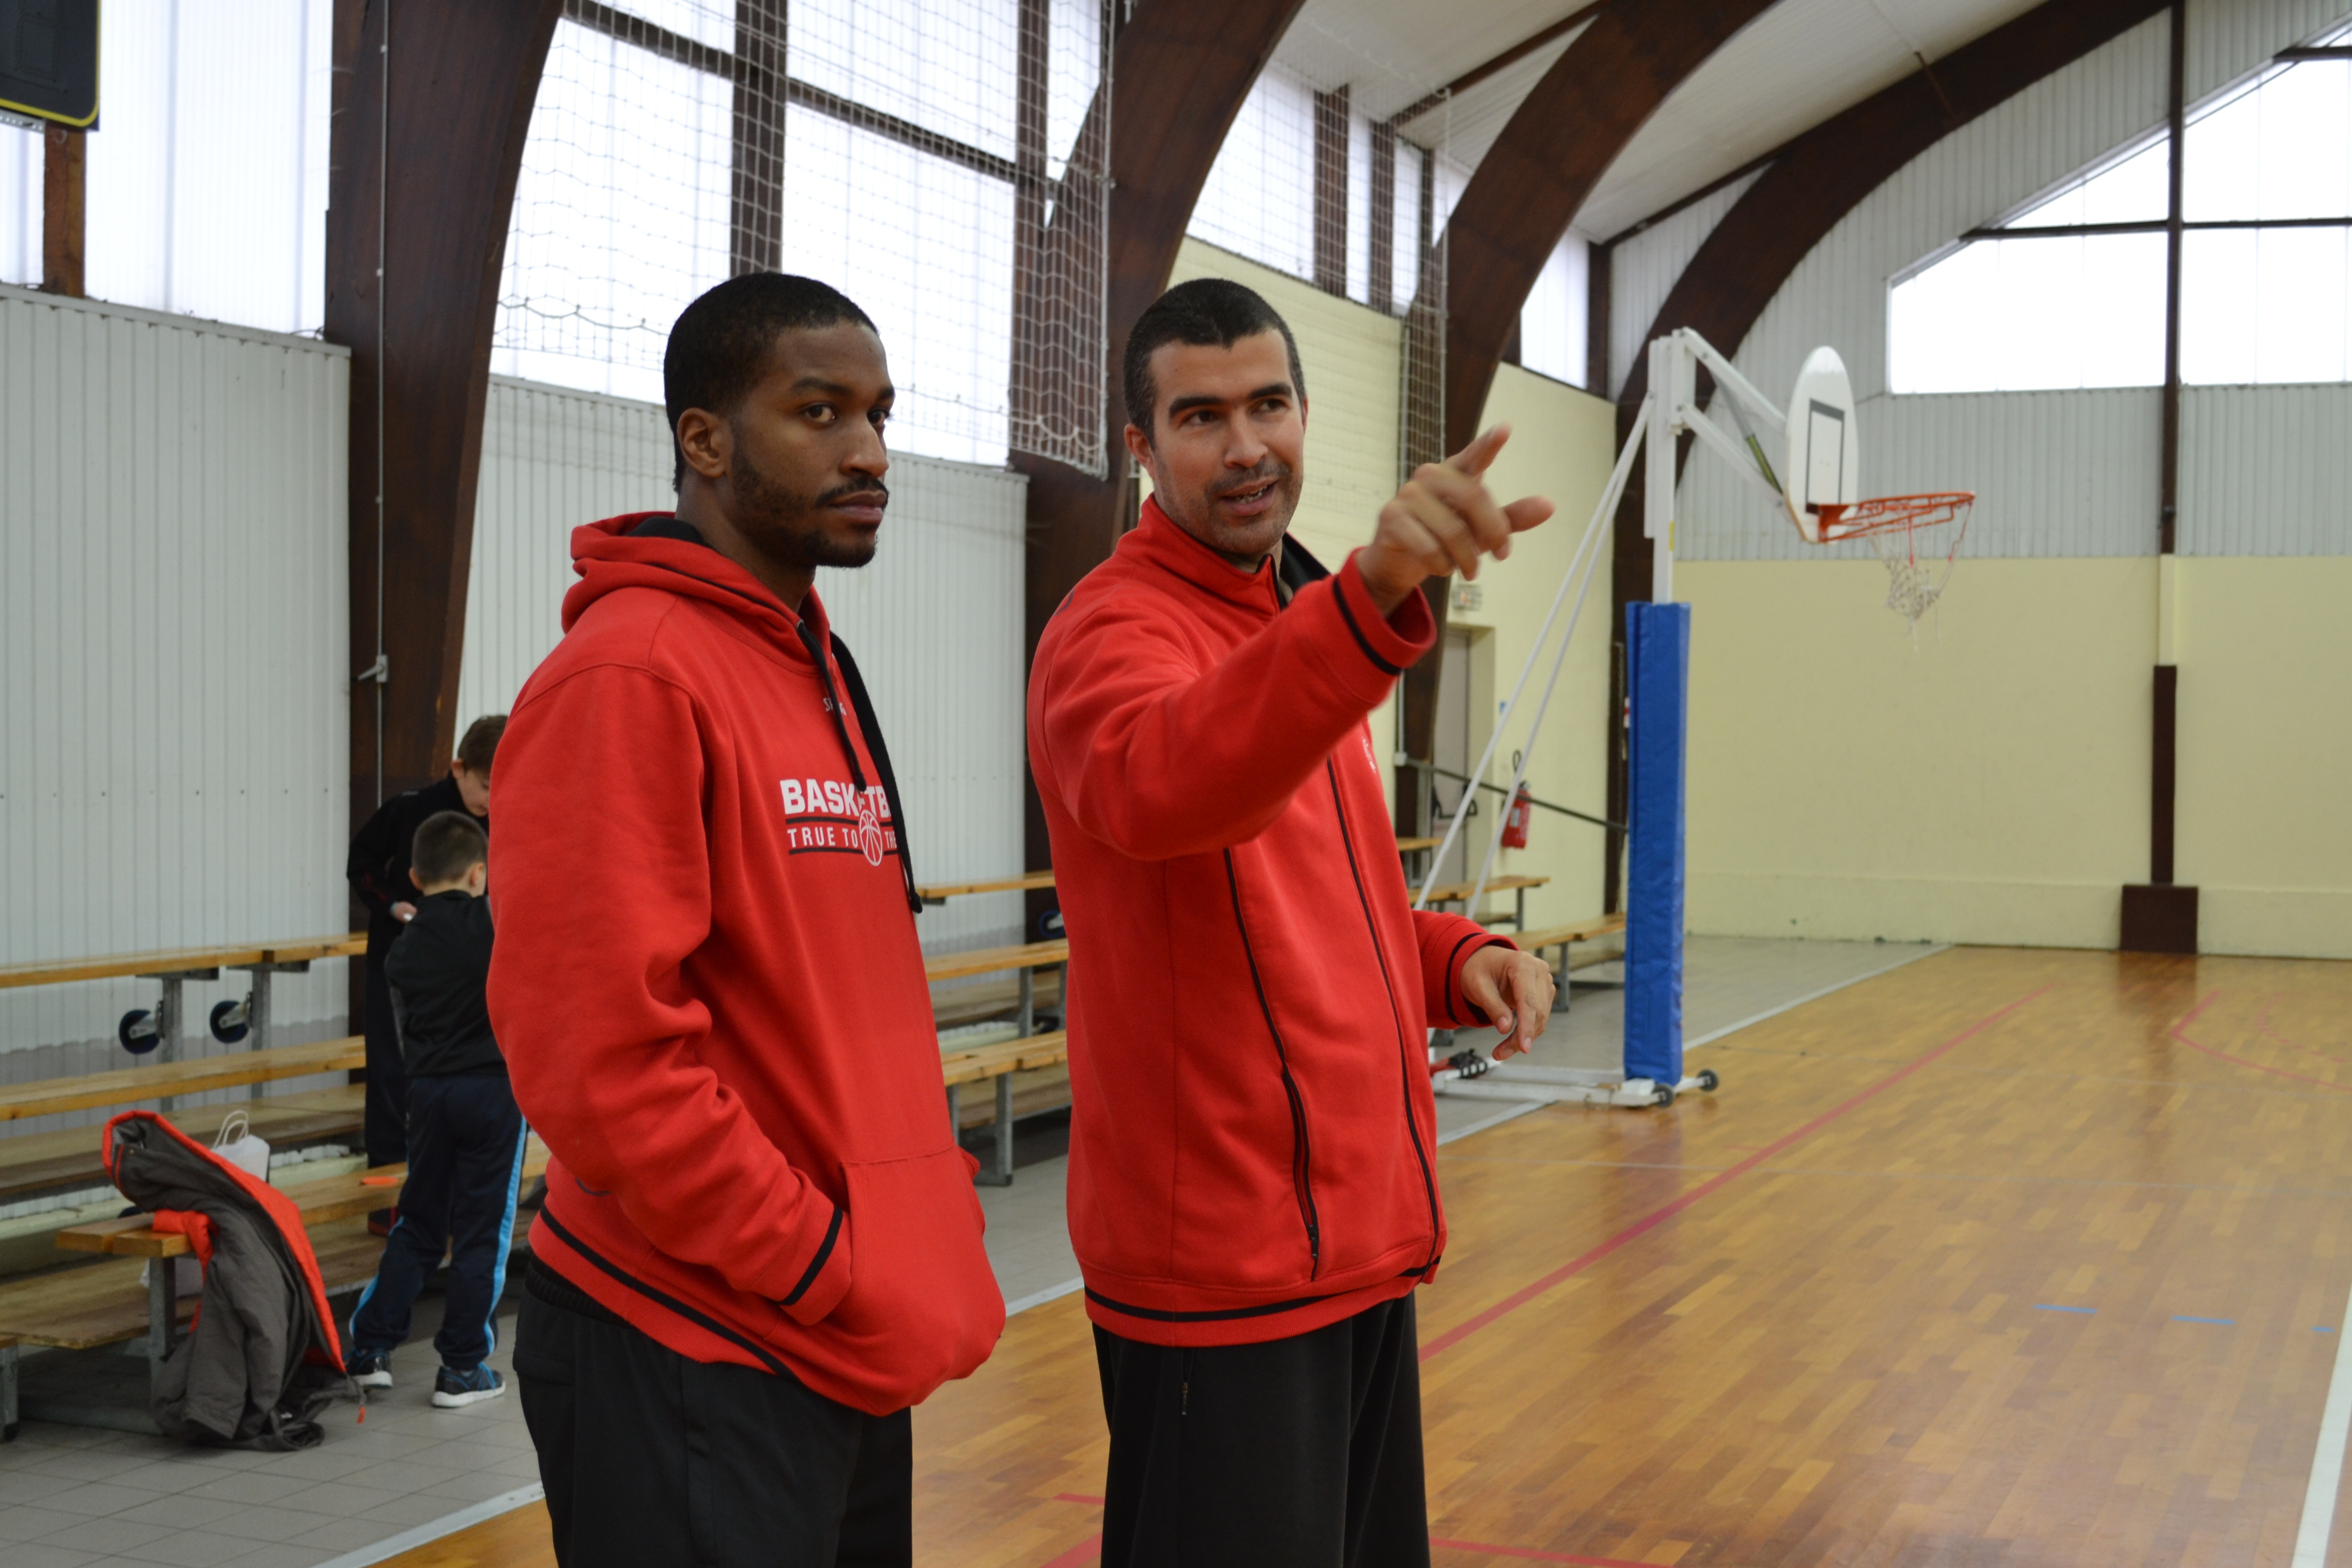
{"type": "Point", "coordinates": [1743, 463]}
{"type": "Point", "coordinates": [1579, 570]}
{"type": "Point", "coordinates": [1731, 381]}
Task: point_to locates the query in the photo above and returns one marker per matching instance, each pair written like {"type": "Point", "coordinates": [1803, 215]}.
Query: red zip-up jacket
{"type": "Point", "coordinates": [728, 1046]}
{"type": "Point", "coordinates": [1253, 1146]}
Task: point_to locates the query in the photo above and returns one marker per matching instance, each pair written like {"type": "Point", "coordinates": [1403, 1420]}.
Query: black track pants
{"type": "Point", "coordinates": [649, 1457]}
{"type": "Point", "coordinates": [1297, 1453]}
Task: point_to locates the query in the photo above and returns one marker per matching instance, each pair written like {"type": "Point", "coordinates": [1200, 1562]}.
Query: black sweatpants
{"type": "Point", "coordinates": [466, 1140]}
{"type": "Point", "coordinates": [1295, 1453]}
{"type": "Point", "coordinates": [385, 1119]}
{"type": "Point", "coordinates": [651, 1458]}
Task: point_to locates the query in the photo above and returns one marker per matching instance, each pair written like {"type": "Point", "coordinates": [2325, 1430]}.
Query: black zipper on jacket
{"type": "Point", "coordinates": [835, 705]}
{"type": "Point", "coordinates": [1371, 929]}
{"type": "Point", "coordinates": [1302, 1170]}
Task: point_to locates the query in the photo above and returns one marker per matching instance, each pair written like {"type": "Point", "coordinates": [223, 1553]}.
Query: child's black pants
{"type": "Point", "coordinates": [466, 1139]}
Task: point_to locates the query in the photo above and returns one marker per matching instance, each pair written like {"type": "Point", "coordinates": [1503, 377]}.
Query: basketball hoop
{"type": "Point", "coordinates": [1918, 537]}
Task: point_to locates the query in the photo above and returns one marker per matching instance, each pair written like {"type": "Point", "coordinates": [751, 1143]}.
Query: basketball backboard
{"type": "Point", "coordinates": [1824, 453]}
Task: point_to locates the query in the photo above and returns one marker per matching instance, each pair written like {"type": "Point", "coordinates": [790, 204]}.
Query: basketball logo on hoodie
{"type": "Point", "coordinates": [835, 816]}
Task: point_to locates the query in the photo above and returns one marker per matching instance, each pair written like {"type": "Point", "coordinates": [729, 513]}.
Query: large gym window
{"type": "Point", "coordinates": [667, 152]}
{"type": "Point", "coordinates": [2070, 293]}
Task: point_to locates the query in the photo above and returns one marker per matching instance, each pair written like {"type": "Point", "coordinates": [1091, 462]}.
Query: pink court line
{"type": "Point", "coordinates": [1090, 1549]}
{"type": "Point", "coordinates": [1659, 1216]}
{"type": "Point", "coordinates": [2180, 1032]}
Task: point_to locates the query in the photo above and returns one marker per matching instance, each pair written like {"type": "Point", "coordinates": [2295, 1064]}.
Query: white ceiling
{"type": "Point", "coordinates": [1798, 64]}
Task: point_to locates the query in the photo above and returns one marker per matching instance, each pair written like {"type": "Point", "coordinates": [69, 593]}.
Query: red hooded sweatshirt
{"type": "Point", "coordinates": [728, 1048]}
{"type": "Point", "coordinates": [1253, 1149]}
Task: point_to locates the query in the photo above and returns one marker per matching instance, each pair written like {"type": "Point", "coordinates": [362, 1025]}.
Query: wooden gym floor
{"type": "Point", "coordinates": [2005, 1256]}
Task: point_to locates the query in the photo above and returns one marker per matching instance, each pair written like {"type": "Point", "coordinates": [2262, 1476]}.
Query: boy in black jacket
{"type": "Point", "coordinates": [466, 1136]}
{"type": "Point", "coordinates": [378, 870]}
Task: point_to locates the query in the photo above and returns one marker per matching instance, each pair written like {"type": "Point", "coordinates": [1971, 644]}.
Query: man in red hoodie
{"type": "Point", "coordinates": [760, 1243]}
{"type": "Point", "coordinates": [1253, 1190]}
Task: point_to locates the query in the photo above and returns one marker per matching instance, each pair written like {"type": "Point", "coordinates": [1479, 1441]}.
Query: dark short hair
{"type": "Point", "coordinates": [1205, 311]}
{"type": "Point", "coordinates": [481, 742]}
{"type": "Point", "coordinates": [447, 844]}
{"type": "Point", "coordinates": [719, 347]}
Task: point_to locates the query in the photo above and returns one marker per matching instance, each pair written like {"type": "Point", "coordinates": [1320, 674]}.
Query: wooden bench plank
{"type": "Point", "coordinates": [103, 1304]}
{"type": "Point", "coordinates": [1413, 846]}
{"type": "Point", "coordinates": [33, 1162]}
{"type": "Point", "coordinates": [168, 961]}
{"type": "Point", "coordinates": [989, 959]}
{"type": "Point", "coordinates": [1454, 892]}
{"type": "Point", "coordinates": [1029, 881]}
{"type": "Point", "coordinates": [1023, 1055]}
{"type": "Point", "coordinates": [129, 1086]}
{"type": "Point", "coordinates": [1575, 931]}
{"type": "Point", "coordinates": [357, 1192]}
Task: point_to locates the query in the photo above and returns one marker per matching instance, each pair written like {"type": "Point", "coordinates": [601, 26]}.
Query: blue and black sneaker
{"type": "Point", "coordinates": [369, 1369]}
{"type": "Point", "coordinates": [455, 1389]}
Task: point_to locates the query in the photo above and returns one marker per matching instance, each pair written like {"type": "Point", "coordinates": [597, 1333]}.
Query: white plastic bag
{"type": "Point", "coordinates": [236, 1145]}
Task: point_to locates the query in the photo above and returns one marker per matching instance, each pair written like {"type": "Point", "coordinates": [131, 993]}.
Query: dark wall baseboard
{"type": "Point", "coordinates": [2161, 918]}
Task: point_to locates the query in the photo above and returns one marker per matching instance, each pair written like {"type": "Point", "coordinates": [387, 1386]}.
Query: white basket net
{"type": "Point", "coordinates": [1917, 538]}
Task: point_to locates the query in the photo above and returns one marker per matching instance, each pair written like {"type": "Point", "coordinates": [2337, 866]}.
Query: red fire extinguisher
{"type": "Point", "coordinates": [1515, 821]}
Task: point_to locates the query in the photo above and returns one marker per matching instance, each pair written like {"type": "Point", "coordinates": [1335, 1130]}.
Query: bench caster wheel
{"type": "Point", "coordinates": [1665, 1095]}
{"type": "Point", "coordinates": [228, 1026]}
{"type": "Point", "coordinates": [1708, 1081]}
{"type": "Point", "coordinates": [137, 1032]}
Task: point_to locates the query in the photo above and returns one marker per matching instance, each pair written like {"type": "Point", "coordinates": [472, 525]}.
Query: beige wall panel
{"type": "Point", "coordinates": [1989, 785]}
{"type": "Point", "coordinates": [1562, 442]}
{"type": "Point", "coordinates": [2265, 653]}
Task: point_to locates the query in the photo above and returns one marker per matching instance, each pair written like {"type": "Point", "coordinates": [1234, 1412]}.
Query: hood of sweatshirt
{"type": "Point", "coordinates": [623, 553]}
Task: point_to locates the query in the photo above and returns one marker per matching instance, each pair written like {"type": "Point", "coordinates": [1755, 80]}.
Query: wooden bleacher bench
{"type": "Point", "coordinates": [131, 1086]}
{"type": "Point", "coordinates": [1028, 881]}
{"type": "Point", "coordinates": [103, 1303]}
{"type": "Point", "coordinates": [1564, 937]}
{"type": "Point", "coordinates": [40, 1161]}
{"type": "Point", "coordinates": [166, 960]}
{"type": "Point", "coordinates": [997, 1063]}
{"type": "Point", "coordinates": [1459, 892]}
{"type": "Point", "coordinates": [1027, 958]}
{"type": "Point", "coordinates": [358, 1193]}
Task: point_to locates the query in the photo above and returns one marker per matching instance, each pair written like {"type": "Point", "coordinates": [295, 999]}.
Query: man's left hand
{"type": "Point", "coordinates": [1513, 988]}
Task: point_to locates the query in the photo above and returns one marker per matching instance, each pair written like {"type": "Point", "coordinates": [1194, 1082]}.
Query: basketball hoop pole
{"type": "Point", "coordinates": [1669, 410]}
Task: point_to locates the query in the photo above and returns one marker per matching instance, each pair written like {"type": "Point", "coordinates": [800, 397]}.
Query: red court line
{"type": "Point", "coordinates": [2180, 1032]}
{"type": "Point", "coordinates": [1086, 1551]}
{"type": "Point", "coordinates": [1657, 1217]}
{"type": "Point", "coordinates": [1089, 1549]}
{"type": "Point", "coordinates": [1529, 1554]}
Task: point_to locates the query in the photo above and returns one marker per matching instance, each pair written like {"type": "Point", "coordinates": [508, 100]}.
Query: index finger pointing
{"type": "Point", "coordinates": [1473, 459]}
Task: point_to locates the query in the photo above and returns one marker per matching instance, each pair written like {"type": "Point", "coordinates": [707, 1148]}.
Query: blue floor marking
{"type": "Point", "coordinates": [2043, 1307]}
{"type": "Point", "coordinates": [2183, 1317]}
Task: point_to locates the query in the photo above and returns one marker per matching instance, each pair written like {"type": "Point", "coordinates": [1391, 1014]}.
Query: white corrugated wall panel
{"type": "Point", "coordinates": [2266, 470]}
{"type": "Point", "coordinates": [174, 728]}
{"type": "Point", "coordinates": [2055, 473]}
{"type": "Point", "coordinates": [1992, 166]}
{"type": "Point", "coordinates": [935, 622]}
{"type": "Point", "coordinates": [552, 459]}
{"type": "Point", "coordinates": [1642, 270]}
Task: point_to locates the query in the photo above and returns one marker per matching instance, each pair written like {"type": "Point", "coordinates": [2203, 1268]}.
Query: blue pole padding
{"type": "Point", "coordinates": [1657, 679]}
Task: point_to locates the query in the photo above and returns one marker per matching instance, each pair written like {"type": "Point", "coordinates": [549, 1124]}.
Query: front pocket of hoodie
{"type": "Point", "coordinates": [922, 1306]}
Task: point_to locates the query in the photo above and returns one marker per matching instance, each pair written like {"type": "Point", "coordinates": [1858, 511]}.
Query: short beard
{"type": "Point", "coordinates": [780, 517]}
{"type": "Point", "coordinates": [1202, 524]}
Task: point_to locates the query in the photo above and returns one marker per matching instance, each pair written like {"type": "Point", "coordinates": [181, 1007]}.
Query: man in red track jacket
{"type": "Point", "coordinates": [1253, 1189]}
{"type": "Point", "coordinates": [760, 1243]}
